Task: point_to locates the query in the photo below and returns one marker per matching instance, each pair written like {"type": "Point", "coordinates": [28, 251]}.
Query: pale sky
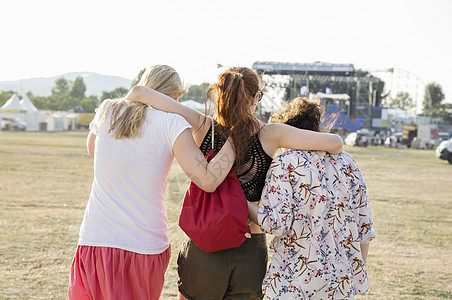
{"type": "Point", "coordinates": [51, 37]}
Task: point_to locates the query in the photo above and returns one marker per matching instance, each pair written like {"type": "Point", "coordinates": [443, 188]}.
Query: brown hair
{"type": "Point", "coordinates": [234, 92]}
{"type": "Point", "coordinates": [300, 113]}
{"type": "Point", "coordinates": [127, 122]}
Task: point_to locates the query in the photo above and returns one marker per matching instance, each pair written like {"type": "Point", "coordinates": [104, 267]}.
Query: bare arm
{"type": "Point", "coordinates": [91, 143]}
{"type": "Point", "coordinates": [162, 102]}
{"type": "Point", "coordinates": [208, 176]}
{"type": "Point", "coordinates": [364, 251]}
{"type": "Point", "coordinates": [252, 212]}
{"type": "Point", "coordinates": [363, 214]}
{"type": "Point", "coordinates": [285, 136]}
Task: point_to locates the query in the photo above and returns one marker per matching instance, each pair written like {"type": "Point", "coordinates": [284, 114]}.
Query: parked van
{"type": "Point", "coordinates": [444, 150]}
{"type": "Point", "coordinates": [13, 124]}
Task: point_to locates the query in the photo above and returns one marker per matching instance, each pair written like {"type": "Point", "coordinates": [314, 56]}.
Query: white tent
{"type": "Point", "coordinates": [38, 120]}
{"type": "Point", "coordinates": [31, 115]}
{"type": "Point", "coordinates": [13, 105]}
{"type": "Point", "coordinates": [55, 121]}
{"type": "Point", "coordinates": [27, 104]}
{"type": "Point", "coordinates": [13, 109]}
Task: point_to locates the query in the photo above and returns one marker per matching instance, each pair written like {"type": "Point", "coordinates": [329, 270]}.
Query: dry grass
{"type": "Point", "coordinates": [410, 192]}
{"type": "Point", "coordinates": [45, 180]}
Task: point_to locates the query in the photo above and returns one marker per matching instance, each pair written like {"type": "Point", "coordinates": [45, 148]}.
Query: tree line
{"type": "Point", "coordinates": [71, 96]}
{"type": "Point", "coordinates": [67, 95]}
{"type": "Point", "coordinates": [433, 104]}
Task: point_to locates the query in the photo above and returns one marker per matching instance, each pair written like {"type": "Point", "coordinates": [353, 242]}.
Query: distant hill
{"type": "Point", "coordinates": [95, 83]}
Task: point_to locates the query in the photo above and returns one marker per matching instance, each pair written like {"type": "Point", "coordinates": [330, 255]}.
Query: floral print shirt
{"type": "Point", "coordinates": [316, 205]}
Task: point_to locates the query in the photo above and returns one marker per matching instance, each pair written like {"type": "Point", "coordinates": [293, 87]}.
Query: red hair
{"type": "Point", "coordinates": [234, 94]}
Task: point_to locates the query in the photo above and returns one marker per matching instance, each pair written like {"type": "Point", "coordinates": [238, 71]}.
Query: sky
{"type": "Point", "coordinates": [50, 37]}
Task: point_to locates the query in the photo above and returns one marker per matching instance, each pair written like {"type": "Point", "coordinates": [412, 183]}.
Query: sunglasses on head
{"type": "Point", "coordinates": [259, 95]}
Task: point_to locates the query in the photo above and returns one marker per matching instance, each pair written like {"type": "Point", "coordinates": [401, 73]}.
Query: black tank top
{"type": "Point", "coordinates": [253, 172]}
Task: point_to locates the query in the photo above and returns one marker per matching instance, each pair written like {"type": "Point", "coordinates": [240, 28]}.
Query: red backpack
{"type": "Point", "coordinates": [218, 220]}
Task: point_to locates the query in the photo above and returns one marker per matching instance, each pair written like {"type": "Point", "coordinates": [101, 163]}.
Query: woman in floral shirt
{"type": "Point", "coordinates": [316, 205]}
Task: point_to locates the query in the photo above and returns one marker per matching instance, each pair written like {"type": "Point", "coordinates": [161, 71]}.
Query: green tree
{"type": "Point", "coordinates": [39, 101]}
{"type": "Point", "coordinates": [116, 93]}
{"type": "Point", "coordinates": [89, 104]}
{"type": "Point", "coordinates": [445, 113]}
{"type": "Point", "coordinates": [61, 88]}
{"type": "Point", "coordinates": [401, 101]}
{"type": "Point", "coordinates": [4, 96]}
{"type": "Point", "coordinates": [433, 98]}
{"type": "Point", "coordinates": [59, 92]}
{"type": "Point", "coordinates": [60, 98]}
{"type": "Point", "coordinates": [64, 98]}
{"type": "Point", "coordinates": [196, 92]}
{"type": "Point", "coordinates": [68, 103]}
{"type": "Point", "coordinates": [78, 89]}
{"type": "Point", "coordinates": [137, 79]}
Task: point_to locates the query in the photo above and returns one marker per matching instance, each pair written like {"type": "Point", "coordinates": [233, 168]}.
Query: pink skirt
{"type": "Point", "coordinates": [112, 273]}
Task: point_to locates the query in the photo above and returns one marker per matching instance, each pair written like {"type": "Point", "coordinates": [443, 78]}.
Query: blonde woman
{"type": "Point", "coordinates": [124, 249]}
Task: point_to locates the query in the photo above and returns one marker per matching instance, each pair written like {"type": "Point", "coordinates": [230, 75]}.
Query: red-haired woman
{"type": "Point", "coordinates": [235, 273]}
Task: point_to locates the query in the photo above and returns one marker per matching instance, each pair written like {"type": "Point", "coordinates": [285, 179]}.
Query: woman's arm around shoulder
{"type": "Point", "coordinates": [276, 135]}
{"type": "Point", "coordinates": [162, 102]}
{"type": "Point", "coordinates": [208, 176]}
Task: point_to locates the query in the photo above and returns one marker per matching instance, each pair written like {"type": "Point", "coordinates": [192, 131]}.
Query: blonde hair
{"type": "Point", "coordinates": [128, 123]}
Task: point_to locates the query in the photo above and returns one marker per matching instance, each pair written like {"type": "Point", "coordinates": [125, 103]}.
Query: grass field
{"type": "Point", "coordinates": [45, 180]}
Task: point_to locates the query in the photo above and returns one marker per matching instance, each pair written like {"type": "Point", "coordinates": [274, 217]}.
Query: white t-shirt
{"type": "Point", "coordinates": [126, 207]}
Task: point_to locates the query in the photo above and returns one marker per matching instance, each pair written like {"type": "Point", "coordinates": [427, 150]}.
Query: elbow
{"type": "Point", "coordinates": [209, 188]}
{"type": "Point", "coordinates": [135, 92]}
{"type": "Point", "coordinates": [208, 185]}
{"type": "Point", "coordinates": [204, 183]}
{"type": "Point", "coordinates": [337, 145]}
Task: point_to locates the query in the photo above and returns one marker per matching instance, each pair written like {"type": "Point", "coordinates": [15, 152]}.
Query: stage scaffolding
{"type": "Point", "coordinates": [365, 91]}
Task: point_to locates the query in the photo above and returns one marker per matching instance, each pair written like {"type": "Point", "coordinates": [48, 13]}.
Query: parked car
{"type": "Point", "coordinates": [359, 138]}
{"type": "Point", "coordinates": [13, 124]}
{"type": "Point", "coordinates": [444, 150]}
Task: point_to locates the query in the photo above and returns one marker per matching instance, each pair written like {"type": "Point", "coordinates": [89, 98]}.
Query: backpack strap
{"type": "Point", "coordinates": [213, 135]}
